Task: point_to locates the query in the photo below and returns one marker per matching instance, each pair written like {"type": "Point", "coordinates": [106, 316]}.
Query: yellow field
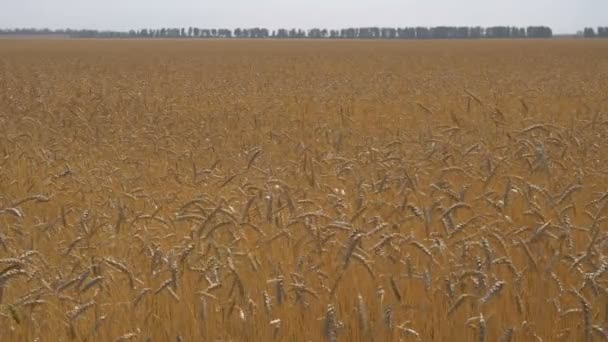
{"type": "Point", "coordinates": [303, 190]}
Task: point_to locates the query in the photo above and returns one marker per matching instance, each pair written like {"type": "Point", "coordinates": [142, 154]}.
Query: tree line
{"type": "Point", "coordinates": [602, 32]}
{"type": "Point", "coordinates": [438, 32]}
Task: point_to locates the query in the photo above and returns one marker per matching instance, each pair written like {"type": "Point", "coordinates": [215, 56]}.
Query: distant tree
{"type": "Point", "coordinates": [476, 32]}
{"type": "Point", "coordinates": [388, 33]}
{"type": "Point", "coordinates": [462, 32]}
{"type": "Point", "coordinates": [364, 33]}
{"type": "Point", "coordinates": [438, 32]}
{"type": "Point", "coordinates": [589, 32]}
{"type": "Point", "coordinates": [282, 33]}
{"type": "Point", "coordinates": [406, 33]}
{"type": "Point", "coordinates": [314, 33]}
{"type": "Point", "coordinates": [516, 32]}
{"type": "Point", "coordinates": [376, 32]}
{"type": "Point", "coordinates": [539, 32]}
{"type": "Point", "coordinates": [225, 33]}
{"type": "Point", "coordinates": [498, 32]}
{"type": "Point", "coordinates": [423, 33]}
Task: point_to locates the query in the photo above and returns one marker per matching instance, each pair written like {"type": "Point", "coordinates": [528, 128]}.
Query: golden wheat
{"type": "Point", "coordinates": [420, 190]}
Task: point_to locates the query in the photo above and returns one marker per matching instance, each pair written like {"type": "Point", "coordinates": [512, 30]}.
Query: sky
{"type": "Point", "coordinates": [561, 15]}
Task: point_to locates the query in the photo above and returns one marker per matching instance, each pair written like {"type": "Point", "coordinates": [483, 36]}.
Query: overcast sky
{"type": "Point", "coordinates": [564, 16]}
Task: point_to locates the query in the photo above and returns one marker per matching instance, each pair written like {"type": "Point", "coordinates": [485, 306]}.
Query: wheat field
{"type": "Point", "coordinates": [303, 190]}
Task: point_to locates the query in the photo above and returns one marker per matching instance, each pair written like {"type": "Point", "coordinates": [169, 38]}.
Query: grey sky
{"type": "Point", "coordinates": [563, 16]}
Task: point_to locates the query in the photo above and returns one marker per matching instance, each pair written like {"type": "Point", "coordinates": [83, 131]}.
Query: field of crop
{"type": "Point", "coordinates": [303, 190]}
